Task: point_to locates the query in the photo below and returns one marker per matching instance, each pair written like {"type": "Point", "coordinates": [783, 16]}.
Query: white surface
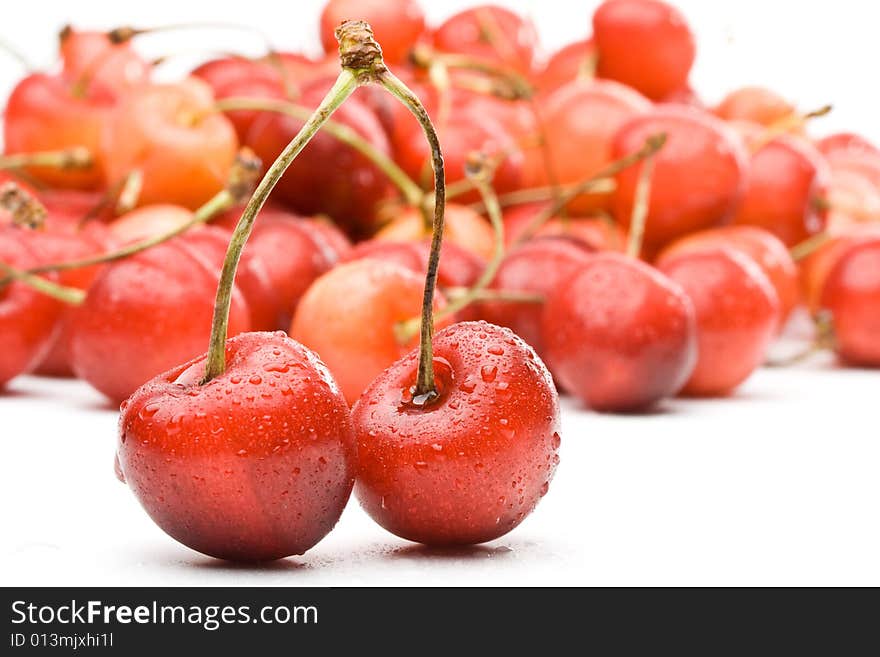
{"type": "Point", "coordinates": [775, 486]}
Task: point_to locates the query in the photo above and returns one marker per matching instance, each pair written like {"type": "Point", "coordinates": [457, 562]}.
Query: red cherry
{"type": "Point", "coordinates": [684, 96]}
{"type": "Point", "coordinates": [262, 82]}
{"type": "Point", "coordinates": [144, 314]}
{"type": "Point", "coordinates": [645, 44]}
{"type": "Point", "coordinates": [785, 178]}
{"type": "Point", "coordinates": [175, 138]}
{"type": "Point", "coordinates": [92, 56]}
{"type": "Point", "coordinates": [699, 173]}
{"type": "Point", "coordinates": [257, 464]}
{"type": "Point", "coordinates": [55, 246]}
{"type": "Point", "coordinates": [768, 252]}
{"type": "Point", "coordinates": [575, 61]}
{"type": "Point", "coordinates": [27, 317]}
{"type": "Point", "coordinates": [397, 24]}
{"type": "Point", "coordinates": [754, 104]}
{"type": "Point", "coordinates": [851, 294]}
{"type": "Point", "coordinates": [860, 163]}
{"type": "Point", "coordinates": [357, 339]}
{"type": "Point", "coordinates": [464, 133]}
{"type": "Point", "coordinates": [737, 316]}
{"type": "Point", "coordinates": [535, 267]}
{"type": "Point", "coordinates": [458, 267]}
{"type": "Point", "coordinates": [463, 227]}
{"type": "Point", "coordinates": [47, 113]}
{"type": "Point", "coordinates": [580, 121]}
{"type": "Point", "coordinates": [282, 260]}
{"type": "Point", "coordinates": [470, 465]}
{"type": "Point", "coordinates": [816, 267]}
{"type": "Point", "coordinates": [490, 33]}
{"type": "Point", "coordinates": [846, 142]}
{"type": "Point", "coordinates": [619, 335]}
{"type": "Point", "coordinates": [350, 190]}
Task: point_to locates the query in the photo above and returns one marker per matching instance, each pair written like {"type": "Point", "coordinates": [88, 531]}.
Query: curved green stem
{"type": "Point", "coordinates": [69, 295]}
{"type": "Point", "coordinates": [641, 203]}
{"type": "Point", "coordinates": [412, 193]}
{"type": "Point", "coordinates": [425, 389]}
{"type": "Point", "coordinates": [344, 86]}
{"type": "Point", "coordinates": [809, 246]}
{"type": "Point", "coordinates": [652, 144]}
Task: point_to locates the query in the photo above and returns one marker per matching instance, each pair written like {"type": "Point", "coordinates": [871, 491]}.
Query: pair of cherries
{"type": "Point", "coordinates": [250, 452]}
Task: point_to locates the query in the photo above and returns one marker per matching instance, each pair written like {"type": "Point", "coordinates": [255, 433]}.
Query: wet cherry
{"type": "Point", "coordinates": [468, 466]}
{"type": "Point", "coordinates": [256, 464]}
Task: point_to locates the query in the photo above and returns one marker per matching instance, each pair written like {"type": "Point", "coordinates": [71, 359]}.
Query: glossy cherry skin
{"type": "Point", "coordinates": [768, 252]}
{"type": "Point", "coordinates": [89, 55]}
{"type": "Point", "coordinates": [491, 33]}
{"type": "Point", "coordinates": [580, 121]}
{"type": "Point", "coordinates": [350, 190]}
{"type": "Point", "coordinates": [535, 267]}
{"type": "Point", "coordinates": [619, 335]}
{"type": "Point", "coordinates": [56, 246]}
{"type": "Point", "coordinates": [784, 180]}
{"type": "Point", "coordinates": [397, 24]}
{"type": "Point", "coordinates": [27, 317]}
{"type": "Point", "coordinates": [463, 227]}
{"type": "Point", "coordinates": [257, 464]}
{"type": "Point", "coordinates": [755, 104]}
{"type": "Point", "coordinates": [144, 314]}
{"type": "Point", "coordinates": [737, 316]}
{"type": "Point", "coordinates": [469, 466]}
{"type": "Point", "coordinates": [356, 338]}
{"type": "Point", "coordinates": [458, 267]}
{"type": "Point", "coordinates": [699, 174]}
{"type": "Point", "coordinates": [462, 134]}
{"type": "Point", "coordinates": [175, 138]}
{"type": "Point", "coordinates": [572, 62]}
{"type": "Point", "coordinates": [44, 113]}
{"type": "Point", "coordinates": [851, 295]}
{"type": "Point", "coordinates": [645, 44]}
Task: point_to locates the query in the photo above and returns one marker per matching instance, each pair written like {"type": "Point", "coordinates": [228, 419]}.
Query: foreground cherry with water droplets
{"type": "Point", "coordinates": [471, 464]}
{"type": "Point", "coordinates": [256, 464]}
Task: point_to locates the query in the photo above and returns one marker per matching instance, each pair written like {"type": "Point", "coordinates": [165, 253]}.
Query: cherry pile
{"type": "Point", "coordinates": [595, 215]}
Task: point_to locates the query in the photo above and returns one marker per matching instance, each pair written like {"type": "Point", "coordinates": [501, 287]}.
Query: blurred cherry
{"type": "Point", "coordinates": [699, 177]}
{"type": "Point", "coordinates": [754, 104]}
{"type": "Point", "coordinates": [645, 44]}
{"type": "Point", "coordinates": [463, 227]}
{"type": "Point", "coordinates": [737, 313]}
{"type": "Point", "coordinates": [397, 24]}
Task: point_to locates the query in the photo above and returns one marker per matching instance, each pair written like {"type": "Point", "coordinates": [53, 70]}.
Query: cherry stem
{"type": "Point", "coordinates": [512, 85]}
{"type": "Point", "coordinates": [25, 209]}
{"type": "Point", "coordinates": [785, 125]}
{"type": "Point", "coordinates": [652, 144]}
{"type": "Point", "coordinates": [77, 157]}
{"type": "Point", "coordinates": [126, 33]}
{"type": "Point", "coordinates": [355, 71]}
{"type": "Point", "coordinates": [425, 389]}
{"type": "Point", "coordinates": [548, 193]}
{"type": "Point", "coordinates": [809, 246]}
{"type": "Point", "coordinates": [16, 54]}
{"type": "Point", "coordinates": [480, 173]}
{"type": "Point", "coordinates": [70, 295]}
{"type": "Point", "coordinates": [641, 204]}
{"type": "Point", "coordinates": [240, 184]}
{"type": "Point", "coordinates": [823, 340]}
{"type": "Point", "coordinates": [411, 192]}
{"type": "Point", "coordinates": [130, 192]}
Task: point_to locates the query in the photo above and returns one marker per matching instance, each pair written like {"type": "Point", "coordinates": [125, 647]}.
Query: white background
{"type": "Point", "coordinates": [775, 486]}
